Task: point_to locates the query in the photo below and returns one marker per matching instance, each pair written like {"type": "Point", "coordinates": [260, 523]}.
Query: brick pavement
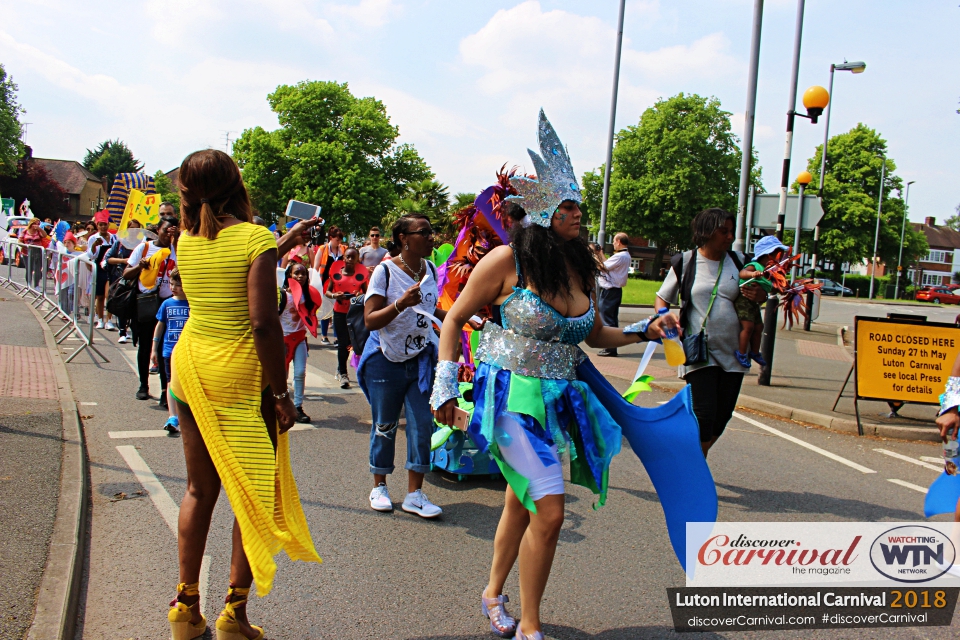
{"type": "Point", "coordinates": [27, 372]}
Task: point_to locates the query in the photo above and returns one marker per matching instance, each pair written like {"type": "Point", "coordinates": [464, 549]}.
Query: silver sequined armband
{"type": "Point", "coordinates": [445, 383]}
{"type": "Point", "coordinates": [640, 328]}
{"type": "Point", "coordinates": [951, 396]}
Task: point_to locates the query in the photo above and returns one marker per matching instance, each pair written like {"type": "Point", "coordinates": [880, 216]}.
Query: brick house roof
{"type": "Point", "coordinates": [938, 236]}
{"type": "Point", "coordinates": [69, 174]}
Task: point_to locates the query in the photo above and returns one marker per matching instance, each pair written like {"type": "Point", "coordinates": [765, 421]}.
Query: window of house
{"type": "Point", "coordinates": [634, 265]}
{"type": "Point", "coordinates": [936, 255]}
{"type": "Point", "coordinates": [934, 280]}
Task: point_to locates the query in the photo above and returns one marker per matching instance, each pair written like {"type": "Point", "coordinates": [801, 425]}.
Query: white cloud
{"type": "Point", "coordinates": [369, 13]}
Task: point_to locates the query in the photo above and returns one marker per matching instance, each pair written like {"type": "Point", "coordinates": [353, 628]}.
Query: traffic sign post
{"type": "Point", "coordinates": [901, 361]}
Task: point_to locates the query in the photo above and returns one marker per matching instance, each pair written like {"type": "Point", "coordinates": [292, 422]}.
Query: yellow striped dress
{"type": "Point", "coordinates": [217, 373]}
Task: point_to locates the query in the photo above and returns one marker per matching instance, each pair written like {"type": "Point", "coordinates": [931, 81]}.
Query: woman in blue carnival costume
{"type": "Point", "coordinates": [538, 397]}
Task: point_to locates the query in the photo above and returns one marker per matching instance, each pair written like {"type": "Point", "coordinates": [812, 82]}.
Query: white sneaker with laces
{"type": "Point", "coordinates": [380, 498]}
{"type": "Point", "coordinates": [110, 326]}
{"type": "Point", "coordinates": [416, 502]}
{"type": "Point", "coordinates": [122, 339]}
{"type": "Point", "coordinates": [99, 324]}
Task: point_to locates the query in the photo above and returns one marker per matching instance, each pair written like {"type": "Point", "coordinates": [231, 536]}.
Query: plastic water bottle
{"type": "Point", "coordinates": [672, 347]}
{"type": "Point", "coordinates": [950, 457]}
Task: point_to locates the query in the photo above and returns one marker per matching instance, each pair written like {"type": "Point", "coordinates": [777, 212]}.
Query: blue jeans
{"type": "Point", "coordinates": [299, 373]}
{"type": "Point", "coordinates": [391, 385]}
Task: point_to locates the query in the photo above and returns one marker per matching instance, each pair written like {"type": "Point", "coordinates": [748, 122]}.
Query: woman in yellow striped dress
{"type": "Point", "coordinates": [229, 362]}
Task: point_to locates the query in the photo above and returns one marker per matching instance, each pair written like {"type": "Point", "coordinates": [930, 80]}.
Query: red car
{"type": "Point", "coordinates": [938, 294]}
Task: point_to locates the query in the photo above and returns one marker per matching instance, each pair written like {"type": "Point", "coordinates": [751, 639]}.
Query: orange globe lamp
{"type": "Point", "coordinates": [804, 178]}
{"type": "Point", "coordinates": [815, 100]}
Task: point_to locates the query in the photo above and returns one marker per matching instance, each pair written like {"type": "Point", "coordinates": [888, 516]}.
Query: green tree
{"type": "Point", "coordinates": [166, 190]}
{"type": "Point", "coordinates": [680, 159]}
{"type": "Point", "coordinates": [110, 158]}
{"type": "Point", "coordinates": [954, 221]}
{"type": "Point", "coordinates": [427, 197]}
{"type": "Point", "coordinates": [850, 193]}
{"type": "Point", "coordinates": [332, 149]}
{"type": "Point", "coordinates": [11, 148]}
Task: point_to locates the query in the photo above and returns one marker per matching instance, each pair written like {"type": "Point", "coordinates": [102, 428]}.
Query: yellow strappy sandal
{"type": "Point", "coordinates": [227, 626]}
{"type": "Point", "coordinates": [180, 614]}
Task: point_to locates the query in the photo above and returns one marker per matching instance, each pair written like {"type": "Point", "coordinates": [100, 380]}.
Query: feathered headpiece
{"type": "Point", "coordinates": [555, 181]}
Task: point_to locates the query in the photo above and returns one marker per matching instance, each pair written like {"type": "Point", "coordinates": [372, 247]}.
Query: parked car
{"type": "Point", "coordinates": [831, 288]}
{"type": "Point", "coordinates": [938, 295]}
{"type": "Point", "coordinates": [14, 225]}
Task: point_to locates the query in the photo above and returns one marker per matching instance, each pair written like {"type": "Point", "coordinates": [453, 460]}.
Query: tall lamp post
{"type": "Point", "coordinates": [803, 179]}
{"type": "Point", "coordinates": [876, 234]}
{"type": "Point", "coordinates": [903, 228]}
{"type": "Point", "coordinates": [602, 235]}
{"type": "Point", "coordinates": [815, 99]}
{"type": "Point", "coordinates": [853, 67]}
{"type": "Point", "coordinates": [749, 117]}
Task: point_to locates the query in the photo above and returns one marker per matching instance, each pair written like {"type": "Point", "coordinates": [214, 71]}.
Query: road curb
{"type": "Point", "coordinates": [58, 598]}
{"type": "Point", "coordinates": [841, 425]}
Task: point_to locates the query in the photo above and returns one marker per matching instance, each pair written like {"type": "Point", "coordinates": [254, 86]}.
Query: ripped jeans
{"type": "Point", "coordinates": [393, 385]}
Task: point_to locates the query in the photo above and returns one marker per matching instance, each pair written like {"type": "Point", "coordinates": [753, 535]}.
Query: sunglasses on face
{"type": "Point", "coordinates": [426, 233]}
{"type": "Point", "coordinates": [374, 235]}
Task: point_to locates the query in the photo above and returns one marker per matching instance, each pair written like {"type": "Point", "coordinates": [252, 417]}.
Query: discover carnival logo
{"type": "Point", "coordinates": [912, 554]}
{"type": "Point", "coordinates": [744, 551]}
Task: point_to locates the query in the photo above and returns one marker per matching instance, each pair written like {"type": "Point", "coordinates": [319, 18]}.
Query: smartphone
{"type": "Point", "coordinates": [302, 210]}
{"type": "Point", "coordinates": [460, 418]}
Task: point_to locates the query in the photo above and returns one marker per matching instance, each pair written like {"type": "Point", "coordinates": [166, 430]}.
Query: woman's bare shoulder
{"type": "Point", "coordinates": [499, 257]}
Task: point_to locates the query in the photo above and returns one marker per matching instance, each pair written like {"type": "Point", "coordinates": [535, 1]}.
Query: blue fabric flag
{"type": "Point", "coordinates": [667, 441]}
{"type": "Point", "coordinates": [942, 495]}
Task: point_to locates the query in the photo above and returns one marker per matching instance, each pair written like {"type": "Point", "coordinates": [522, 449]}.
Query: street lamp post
{"type": "Point", "coordinates": [876, 234]}
{"type": "Point", "coordinates": [749, 118]}
{"type": "Point", "coordinates": [815, 99]}
{"type": "Point", "coordinates": [601, 236]}
{"type": "Point", "coordinates": [853, 67]}
{"type": "Point", "coordinates": [903, 228]}
{"type": "Point", "coordinates": [803, 179]}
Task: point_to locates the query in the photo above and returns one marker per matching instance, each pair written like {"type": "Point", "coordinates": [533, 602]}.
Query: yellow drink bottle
{"type": "Point", "coordinates": [672, 347]}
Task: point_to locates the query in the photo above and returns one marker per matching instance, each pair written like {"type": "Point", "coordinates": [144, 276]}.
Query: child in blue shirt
{"type": "Point", "coordinates": [171, 317]}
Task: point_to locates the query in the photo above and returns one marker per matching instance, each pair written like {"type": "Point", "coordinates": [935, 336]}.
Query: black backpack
{"type": "Point", "coordinates": [685, 279]}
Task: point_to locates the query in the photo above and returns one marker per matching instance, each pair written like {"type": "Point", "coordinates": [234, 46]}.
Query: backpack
{"type": "Point", "coordinates": [685, 278]}
{"type": "Point", "coordinates": [122, 298]}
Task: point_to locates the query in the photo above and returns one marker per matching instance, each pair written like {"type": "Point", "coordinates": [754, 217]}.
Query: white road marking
{"type": "Point", "coordinates": [937, 461]}
{"type": "Point", "coordinates": [908, 485]}
{"type": "Point", "coordinates": [301, 427]}
{"type": "Point", "coordinates": [140, 433]}
{"type": "Point", "coordinates": [168, 509]}
{"type": "Point", "coordinates": [900, 456]}
{"type": "Point", "coordinates": [823, 452]}
{"type": "Point", "coordinates": [161, 499]}
{"type": "Point", "coordinates": [88, 404]}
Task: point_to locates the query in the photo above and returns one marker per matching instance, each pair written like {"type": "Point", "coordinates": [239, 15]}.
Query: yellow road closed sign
{"type": "Point", "coordinates": [908, 361]}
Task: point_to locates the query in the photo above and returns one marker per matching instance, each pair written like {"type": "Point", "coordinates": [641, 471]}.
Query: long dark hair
{"type": "Point", "coordinates": [210, 185]}
{"type": "Point", "coordinates": [544, 256]}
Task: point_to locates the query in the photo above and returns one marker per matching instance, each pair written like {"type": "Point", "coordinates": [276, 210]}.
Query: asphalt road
{"type": "Point", "coordinates": [397, 576]}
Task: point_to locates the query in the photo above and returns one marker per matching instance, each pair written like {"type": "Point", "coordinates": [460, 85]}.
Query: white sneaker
{"type": "Point", "coordinates": [110, 326]}
{"type": "Point", "coordinates": [99, 324]}
{"type": "Point", "coordinates": [380, 498]}
{"type": "Point", "coordinates": [122, 339]}
{"type": "Point", "coordinates": [419, 504]}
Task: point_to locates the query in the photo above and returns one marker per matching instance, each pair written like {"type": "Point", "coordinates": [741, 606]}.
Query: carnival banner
{"type": "Point", "coordinates": [141, 207]}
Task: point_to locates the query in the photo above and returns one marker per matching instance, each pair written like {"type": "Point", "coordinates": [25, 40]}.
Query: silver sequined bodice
{"type": "Point", "coordinates": [525, 314]}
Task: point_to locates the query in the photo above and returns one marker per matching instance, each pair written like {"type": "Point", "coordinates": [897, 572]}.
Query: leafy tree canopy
{"type": "Point", "coordinates": [110, 158]}
{"type": "Point", "coordinates": [850, 194]}
{"type": "Point", "coordinates": [11, 147]}
{"type": "Point", "coordinates": [33, 182]}
{"type": "Point", "coordinates": [680, 159]}
{"type": "Point", "coordinates": [954, 221]}
{"type": "Point", "coordinates": [166, 190]}
{"type": "Point", "coordinates": [332, 149]}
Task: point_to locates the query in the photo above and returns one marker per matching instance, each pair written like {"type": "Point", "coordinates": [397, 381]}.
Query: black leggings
{"type": "Point", "coordinates": [343, 341]}
{"type": "Point", "coordinates": [715, 393]}
{"type": "Point", "coordinates": [145, 347]}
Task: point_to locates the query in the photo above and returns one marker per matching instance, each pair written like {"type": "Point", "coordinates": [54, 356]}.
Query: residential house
{"type": "Point", "coordinates": [943, 259]}
{"type": "Point", "coordinates": [87, 194]}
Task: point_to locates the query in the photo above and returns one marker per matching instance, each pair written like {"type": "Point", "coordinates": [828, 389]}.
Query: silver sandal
{"type": "Point", "coordinates": [501, 623]}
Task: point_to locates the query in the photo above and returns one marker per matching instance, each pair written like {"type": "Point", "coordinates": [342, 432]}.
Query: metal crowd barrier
{"type": "Point", "coordinates": [59, 285]}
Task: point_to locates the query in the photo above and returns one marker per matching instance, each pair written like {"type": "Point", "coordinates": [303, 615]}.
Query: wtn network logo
{"type": "Point", "coordinates": [912, 554]}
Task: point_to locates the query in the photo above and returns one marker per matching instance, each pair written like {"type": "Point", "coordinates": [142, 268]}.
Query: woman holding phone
{"type": "Point", "coordinates": [398, 361]}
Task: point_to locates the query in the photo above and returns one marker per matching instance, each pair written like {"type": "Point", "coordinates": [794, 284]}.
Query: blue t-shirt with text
{"type": "Point", "coordinates": [173, 314]}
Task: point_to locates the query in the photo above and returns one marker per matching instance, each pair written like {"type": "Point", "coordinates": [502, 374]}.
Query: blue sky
{"type": "Point", "coordinates": [463, 80]}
